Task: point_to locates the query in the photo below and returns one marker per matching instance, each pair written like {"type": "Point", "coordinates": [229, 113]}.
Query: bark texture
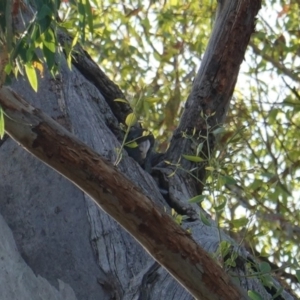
{"type": "Point", "coordinates": [154, 229]}
{"type": "Point", "coordinates": [18, 281]}
{"type": "Point", "coordinates": [61, 233]}
{"type": "Point", "coordinates": [207, 105]}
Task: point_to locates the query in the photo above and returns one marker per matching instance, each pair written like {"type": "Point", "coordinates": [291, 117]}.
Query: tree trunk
{"type": "Point", "coordinates": [61, 234]}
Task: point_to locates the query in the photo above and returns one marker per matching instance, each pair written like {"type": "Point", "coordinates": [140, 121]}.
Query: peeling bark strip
{"type": "Point", "coordinates": [166, 241]}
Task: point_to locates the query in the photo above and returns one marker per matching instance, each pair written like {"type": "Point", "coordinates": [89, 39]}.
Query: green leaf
{"type": "Point", "coordinates": [152, 99]}
{"type": "Point", "coordinates": [43, 12]}
{"type": "Point", "coordinates": [241, 222]}
{"type": "Point", "coordinates": [218, 131]}
{"type": "Point", "coordinates": [221, 206]}
{"type": "Point", "coordinates": [121, 100]}
{"type": "Point", "coordinates": [210, 168]}
{"type": "Point", "coordinates": [70, 49]}
{"type": "Point", "coordinates": [254, 295]}
{"type": "Point", "coordinates": [21, 49]}
{"type": "Point", "coordinates": [35, 35]}
{"type": "Point", "coordinates": [204, 219]}
{"type": "Point", "coordinates": [44, 23]}
{"type": "Point", "coordinates": [131, 119]}
{"type": "Point", "coordinates": [278, 293]}
{"type": "Point", "coordinates": [8, 68]}
{"type": "Point", "coordinates": [2, 131]}
{"type": "Point", "coordinates": [257, 183]}
{"type": "Point", "coordinates": [75, 39]}
{"type": "Point", "coordinates": [192, 158]}
{"type": "Point", "coordinates": [85, 17]}
{"type": "Point", "coordinates": [267, 280]}
{"type": "Point", "coordinates": [131, 145]}
{"type": "Point", "coordinates": [273, 114]}
{"type": "Point", "coordinates": [49, 40]}
{"type": "Point", "coordinates": [49, 57]}
{"type": "Point", "coordinates": [236, 138]}
{"type": "Point", "coordinates": [199, 148]}
{"type": "Point", "coordinates": [146, 133]}
{"type": "Point", "coordinates": [267, 174]}
{"type": "Point", "coordinates": [88, 11]}
{"type": "Point", "coordinates": [264, 253]}
{"type": "Point", "coordinates": [224, 248]}
{"type": "Point", "coordinates": [265, 267]}
{"type": "Point", "coordinates": [229, 180]}
{"type": "Point", "coordinates": [198, 199]}
{"type": "Point", "coordinates": [31, 75]}
{"type": "Point", "coordinates": [298, 275]}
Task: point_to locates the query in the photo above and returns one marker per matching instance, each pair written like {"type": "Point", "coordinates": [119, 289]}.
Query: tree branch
{"type": "Point", "coordinates": [274, 62]}
{"type": "Point", "coordinates": [207, 105]}
{"type": "Point", "coordinates": [155, 230]}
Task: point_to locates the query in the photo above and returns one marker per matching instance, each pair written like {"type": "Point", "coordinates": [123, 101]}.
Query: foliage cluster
{"type": "Point", "coordinates": [154, 49]}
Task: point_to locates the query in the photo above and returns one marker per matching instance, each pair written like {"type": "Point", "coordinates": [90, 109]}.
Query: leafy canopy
{"type": "Point", "coordinates": [152, 50]}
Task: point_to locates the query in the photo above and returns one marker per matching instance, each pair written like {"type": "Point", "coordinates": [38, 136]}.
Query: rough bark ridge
{"type": "Point", "coordinates": [170, 245]}
{"type": "Point", "coordinates": [214, 84]}
{"type": "Point", "coordinates": [52, 219]}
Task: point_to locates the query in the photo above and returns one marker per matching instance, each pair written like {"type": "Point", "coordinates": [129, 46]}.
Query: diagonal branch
{"type": "Point", "coordinates": [155, 230]}
{"type": "Point", "coordinates": [274, 62]}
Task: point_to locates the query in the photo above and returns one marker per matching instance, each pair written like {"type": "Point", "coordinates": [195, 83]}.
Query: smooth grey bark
{"type": "Point", "coordinates": [47, 213]}
{"type": "Point", "coordinates": [18, 281]}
